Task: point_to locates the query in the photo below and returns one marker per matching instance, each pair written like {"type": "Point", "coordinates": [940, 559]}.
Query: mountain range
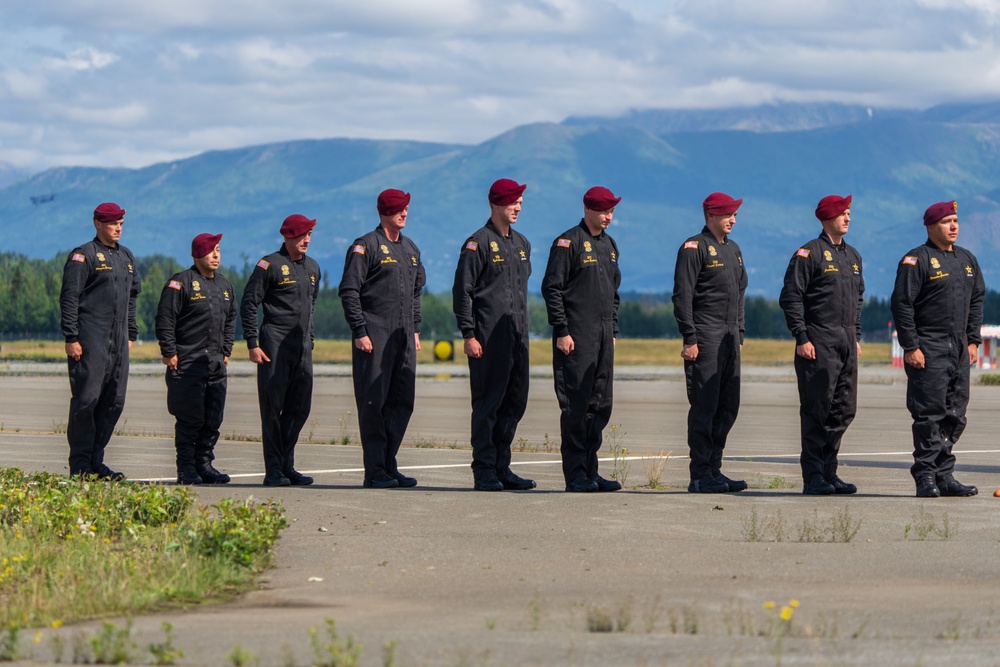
{"type": "Point", "coordinates": [781, 159]}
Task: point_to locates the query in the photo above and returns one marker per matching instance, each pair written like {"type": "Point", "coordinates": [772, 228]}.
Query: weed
{"type": "Point", "coordinates": [120, 428]}
{"type": "Point", "coordinates": [599, 620]}
{"type": "Point", "coordinates": [57, 642]}
{"type": "Point", "coordinates": [810, 530]}
{"type": "Point", "coordinates": [536, 609]}
{"type": "Point", "coordinates": [10, 643]}
{"type": "Point", "coordinates": [843, 527]}
{"type": "Point", "coordinates": [925, 525]}
{"type": "Point", "coordinates": [548, 445]}
{"type": "Point", "coordinates": [738, 620]}
{"type": "Point", "coordinates": [653, 613]}
{"type": "Point", "coordinates": [624, 619]}
{"type": "Point", "coordinates": [753, 526]}
{"type": "Point", "coordinates": [241, 657]}
{"type": "Point", "coordinates": [166, 653]}
{"type": "Point", "coordinates": [312, 430]}
{"type": "Point", "coordinates": [81, 649]}
{"type": "Point", "coordinates": [113, 645]}
{"type": "Point", "coordinates": [952, 629]}
{"type": "Point", "coordinates": [389, 653]}
{"type": "Point", "coordinates": [334, 652]}
{"type": "Point", "coordinates": [491, 622]}
{"type": "Point", "coordinates": [781, 626]}
{"type": "Point", "coordinates": [653, 466]}
{"type": "Point", "coordinates": [523, 445]}
{"type": "Point", "coordinates": [344, 422]}
{"type": "Point", "coordinates": [686, 621]}
{"type": "Point", "coordinates": [243, 437]}
{"type": "Point", "coordinates": [619, 454]}
{"type": "Point", "coordinates": [58, 427]}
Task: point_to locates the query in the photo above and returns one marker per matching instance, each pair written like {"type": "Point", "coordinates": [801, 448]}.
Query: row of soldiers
{"type": "Point", "coordinates": [936, 304]}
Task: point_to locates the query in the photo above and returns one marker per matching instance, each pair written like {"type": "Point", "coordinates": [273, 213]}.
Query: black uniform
{"type": "Point", "coordinates": [937, 306]}
{"type": "Point", "coordinates": [287, 289]}
{"type": "Point", "coordinates": [580, 288]}
{"type": "Point", "coordinates": [822, 298]}
{"type": "Point", "coordinates": [196, 320]}
{"type": "Point", "coordinates": [380, 292]}
{"type": "Point", "coordinates": [97, 301]}
{"type": "Point", "coordinates": [709, 283]}
{"type": "Point", "coordinates": [490, 300]}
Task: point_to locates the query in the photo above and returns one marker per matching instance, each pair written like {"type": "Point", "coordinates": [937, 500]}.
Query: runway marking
{"type": "Point", "coordinates": [444, 466]}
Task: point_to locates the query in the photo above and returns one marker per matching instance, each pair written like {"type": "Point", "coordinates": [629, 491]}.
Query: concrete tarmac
{"type": "Point", "coordinates": [458, 577]}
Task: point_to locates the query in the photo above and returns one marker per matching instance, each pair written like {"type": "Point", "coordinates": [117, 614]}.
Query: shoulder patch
{"type": "Point", "coordinates": [77, 257]}
{"type": "Point", "coordinates": [910, 260]}
{"type": "Point", "coordinates": [562, 243]}
{"type": "Point", "coordinates": [264, 264]}
{"type": "Point", "coordinates": [173, 284]}
{"type": "Point", "coordinates": [690, 245]}
{"type": "Point", "coordinates": [802, 252]}
{"type": "Point", "coordinates": [472, 245]}
{"type": "Point", "coordinates": [358, 248]}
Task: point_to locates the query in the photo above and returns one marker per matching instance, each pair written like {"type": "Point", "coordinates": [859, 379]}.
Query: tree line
{"type": "Point", "coordinates": [29, 306]}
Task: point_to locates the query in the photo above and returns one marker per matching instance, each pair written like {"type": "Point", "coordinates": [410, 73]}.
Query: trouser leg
{"type": "Point", "coordinates": [704, 382]}
{"type": "Point", "coordinates": [297, 406]}
{"type": "Point", "coordinates": [844, 403]}
{"type": "Point", "coordinates": [398, 407]}
{"type": "Point", "coordinates": [272, 383]}
{"type": "Point", "coordinates": [926, 399]}
{"type": "Point", "coordinates": [186, 402]}
{"type": "Point", "coordinates": [601, 400]}
{"type": "Point", "coordinates": [729, 398]}
{"type": "Point", "coordinates": [86, 381]}
{"type": "Point", "coordinates": [215, 404]}
{"type": "Point", "coordinates": [513, 405]}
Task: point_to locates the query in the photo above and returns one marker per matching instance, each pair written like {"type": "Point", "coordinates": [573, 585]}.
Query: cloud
{"type": "Point", "coordinates": [188, 76]}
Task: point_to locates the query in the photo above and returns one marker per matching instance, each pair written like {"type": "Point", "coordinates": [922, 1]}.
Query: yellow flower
{"type": "Point", "coordinates": [38, 637]}
{"type": "Point", "coordinates": [769, 604]}
{"type": "Point", "coordinates": [793, 603]}
{"type": "Point", "coordinates": [56, 624]}
{"type": "Point", "coordinates": [786, 613]}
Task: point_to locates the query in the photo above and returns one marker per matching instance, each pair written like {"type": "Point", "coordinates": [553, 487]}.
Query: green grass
{"type": "Point", "coordinates": [75, 549]}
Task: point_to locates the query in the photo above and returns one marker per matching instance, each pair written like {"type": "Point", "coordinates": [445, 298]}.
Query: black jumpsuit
{"type": "Point", "coordinates": [937, 306]}
{"type": "Point", "coordinates": [821, 298]}
{"type": "Point", "coordinates": [97, 303]}
{"type": "Point", "coordinates": [709, 283]}
{"type": "Point", "coordinates": [380, 292]}
{"type": "Point", "coordinates": [580, 288]}
{"type": "Point", "coordinates": [196, 320]}
{"type": "Point", "coordinates": [287, 289]}
{"type": "Point", "coordinates": [490, 300]}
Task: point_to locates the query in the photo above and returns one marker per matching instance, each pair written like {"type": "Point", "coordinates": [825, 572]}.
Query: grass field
{"type": "Point", "coordinates": [630, 352]}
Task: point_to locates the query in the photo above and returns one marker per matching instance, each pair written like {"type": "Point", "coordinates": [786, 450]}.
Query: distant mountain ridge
{"type": "Point", "coordinates": [780, 158]}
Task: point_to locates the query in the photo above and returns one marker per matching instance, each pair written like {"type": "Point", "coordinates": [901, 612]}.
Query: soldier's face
{"type": "Point", "coordinates": [397, 221]}
{"type": "Point", "coordinates": [509, 213]}
{"type": "Point", "coordinates": [210, 262]}
{"type": "Point", "coordinates": [721, 225]}
{"type": "Point", "coordinates": [108, 233]}
{"type": "Point", "coordinates": [598, 220]}
{"type": "Point", "coordinates": [944, 232]}
{"type": "Point", "coordinates": [838, 226]}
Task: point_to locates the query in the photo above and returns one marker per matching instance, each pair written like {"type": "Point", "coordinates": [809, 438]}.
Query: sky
{"type": "Point", "coordinates": [120, 83]}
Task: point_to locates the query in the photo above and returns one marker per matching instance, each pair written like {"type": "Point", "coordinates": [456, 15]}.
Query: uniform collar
{"type": "Point", "coordinates": [101, 243]}
{"type": "Point", "coordinates": [708, 232]}
{"type": "Point", "coordinates": [586, 230]}
{"type": "Point", "coordinates": [382, 233]}
{"type": "Point", "coordinates": [826, 237]}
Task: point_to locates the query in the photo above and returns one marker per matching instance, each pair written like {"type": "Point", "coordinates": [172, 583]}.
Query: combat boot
{"type": "Point", "coordinates": [927, 487]}
{"type": "Point", "coordinates": [949, 486]}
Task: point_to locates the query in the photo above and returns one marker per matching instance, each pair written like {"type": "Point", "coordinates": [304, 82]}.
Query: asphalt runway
{"type": "Point", "coordinates": [465, 578]}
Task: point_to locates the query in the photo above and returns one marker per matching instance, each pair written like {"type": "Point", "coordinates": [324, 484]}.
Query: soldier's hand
{"type": "Point", "coordinates": [130, 346]}
{"type": "Point", "coordinates": [914, 358]}
{"type": "Point", "coordinates": [364, 344]}
{"type": "Point", "coordinates": [170, 362]}
{"type": "Point", "coordinates": [807, 350]}
{"type": "Point", "coordinates": [565, 344]}
{"type": "Point", "coordinates": [689, 352]}
{"type": "Point", "coordinates": [74, 351]}
{"type": "Point", "coordinates": [859, 348]}
{"type": "Point", "coordinates": [225, 361]}
{"type": "Point", "coordinates": [472, 348]}
{"type": "Point", "coordinates": [257, 356]}
{"type": "Point", "coordinates": [973, 354]}
{"type": "Point", "coordinates": [416, 340]}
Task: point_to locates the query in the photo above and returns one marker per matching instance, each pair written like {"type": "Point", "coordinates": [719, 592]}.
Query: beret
{"type": "Point", "coordinates": [600, 199]}
{"type": "Point", "coordinates": [942, 209]}
{"type": "Point", "coordinates": [719, 203]}
{"type": "Point", "coordinates": [831, 206]}
{"type": "Point", "coordinates": [391, 202]}
{"type": "Point", "coordinates": [505, 192]}
{"type": "Point", "coordinates": [204, 244]}
{"type": "Point", "coordinates": [109, 212]}
{"type": "Point", "coordinates": [296, 225]}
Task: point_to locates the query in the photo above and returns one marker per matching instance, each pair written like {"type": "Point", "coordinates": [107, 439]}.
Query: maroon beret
{"type": "Point", "coordinates": [598, 198]}
{"type": "Point", "coordinates": [391, 202]}
{"type": "Point", "coordinates": [940, 210]}
{"type": "Point", "coordinates": [719, 203]}
{"type": "Point", "coordinates": [204, 244]}
{"type": "Point", "coordinates": [296, 225]}
{"type": "Point", "coordinates": [505, 192]}
{"type": "Point", "coordinates": [831, 206]}
{"type": "Point", "coordinates": [109, 212]}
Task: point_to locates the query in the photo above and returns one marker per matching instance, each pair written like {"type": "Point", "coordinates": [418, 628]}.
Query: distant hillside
{"type": "Point", "coordinates": [662, 163]}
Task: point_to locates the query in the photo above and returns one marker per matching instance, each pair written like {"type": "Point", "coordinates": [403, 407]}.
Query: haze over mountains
{"type": "Point", "coordinates": [780, 158]}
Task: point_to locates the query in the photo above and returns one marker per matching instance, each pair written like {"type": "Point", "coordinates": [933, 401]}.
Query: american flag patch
{"type": "Point", "coordinates": [358, 248]}
{"type": "Point", "coordinates": [693, 245]}
{"type": "Point", "coordinates": [562, 243]}
{"type": "Point", "coordinates": [802, 252]}
{"type": "Point", "coordinates": [472, 245]}
{"type": "Point", "coordinates": [77, 257]}
{"type": "Point", "coordinates": [264, 264]}
{"type": "Point", "coordinates": [910, 259]}
{"type": "Point", "coordinates": [173, 284]}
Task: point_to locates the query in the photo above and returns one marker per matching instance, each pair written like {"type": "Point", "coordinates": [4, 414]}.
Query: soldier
{"type": "Point", "coordinates": [380, 290]}
{"type": "Point", "coordinates": [286, 282]}
{"type": "Point", "coordinates": [195, 324]}
{"type": "Point", "coordinates": [822, 298]}
{"type": "Point", "coordinates": [97, 303]}
{"type": "Point", "coordinates": [490, 300]}
{"type": "Point", "coordinates": [580, 288]}
{"type": "Point", "coordinates": [709, 283]}
{"type": "Point", "coordinates": [937, 305]}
